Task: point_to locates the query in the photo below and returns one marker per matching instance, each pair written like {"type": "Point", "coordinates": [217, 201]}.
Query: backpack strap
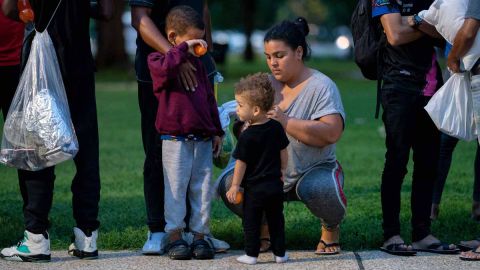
{"type": "Point", "coordinates": [381, 48]}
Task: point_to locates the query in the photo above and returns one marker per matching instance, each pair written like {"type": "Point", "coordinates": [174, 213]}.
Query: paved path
{"type": "Point", "coordinates": [367, 260]}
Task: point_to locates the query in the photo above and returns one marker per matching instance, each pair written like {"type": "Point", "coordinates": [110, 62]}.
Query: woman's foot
{"type": "Point", "coordinates": [247, 259]}
{"type": "Point", "coordinates": [264, 239]}
{"type": "Point", "coordinates": [472, 255]}
{"type": "Point", "coordinates": [431, 244]}
{"type": "Point", "coordinates": [435, 211]}
{"type": "Point", "coordinates": [329, 241]}
{"type": "Point", "coordinates": [396, 246]}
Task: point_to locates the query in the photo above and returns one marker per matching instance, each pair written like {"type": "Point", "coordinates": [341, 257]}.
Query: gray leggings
{"type": "Point", "coordinates": [320, 189]}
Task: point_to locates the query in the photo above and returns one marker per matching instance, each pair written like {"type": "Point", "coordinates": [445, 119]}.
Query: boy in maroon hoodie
{"type": "Point", "coordinates": [190, 129]}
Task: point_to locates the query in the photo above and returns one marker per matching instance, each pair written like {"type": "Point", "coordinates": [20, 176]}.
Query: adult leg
{"type": "Point", "coordinates": [321, 190]}
{"type": "Point", "coordinates": [153, 186]}
{"type": "Point", "coordinates": [447, 145]}
{"type": "Point", "coordinates": [476, 186]}
{"type": "Point", "coordinates": [425, 158]}
{"type": "Point", "coordinates": [399, 121]}
{"type": "Point", "coordinates": [86, 182]}
{"type": "Point", "coordinates": [9, 76]}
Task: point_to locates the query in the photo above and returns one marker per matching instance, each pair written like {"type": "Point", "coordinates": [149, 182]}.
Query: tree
{"type": "Point", "coordinates": [110, 40]}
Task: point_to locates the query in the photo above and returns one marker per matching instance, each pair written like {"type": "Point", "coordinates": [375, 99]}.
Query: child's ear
{"type": "Point", "coordinates": [171, 35]}
{"type": "Point", "coordinates": [256, 110]}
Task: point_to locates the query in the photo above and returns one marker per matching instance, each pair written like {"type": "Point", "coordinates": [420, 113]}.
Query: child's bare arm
{"type": "Point", "coordinates": [284, 161]}
{"type": "Point", "coordinates": [238, 174]}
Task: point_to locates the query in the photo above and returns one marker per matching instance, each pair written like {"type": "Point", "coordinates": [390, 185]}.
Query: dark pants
{"type": "Point", "coordinates": [408, 125]}
{"type": "Point", "coordinates": [37, 187]}
{"type": "Point", "coordinates": [264, 198]}
{"type": "Point", "coordinates": [153, 186]}
{"type": "Point", "coordinates": [9, 76]}
{"type": "Point", "coordinates": [447, 145]}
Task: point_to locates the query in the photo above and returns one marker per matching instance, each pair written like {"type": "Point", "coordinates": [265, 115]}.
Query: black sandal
{"type": "Point", "coordinates": [202, 250]}
{"type": "Point", "coordinates": [399, 249]}
{"type": "Point", "coordinates": [179, 250]}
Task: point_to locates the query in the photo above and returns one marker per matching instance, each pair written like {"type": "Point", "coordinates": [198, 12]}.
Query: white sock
{"type": "Point", "coordinates": [247, 259]}
{"type": "Point", "coordinates": [283, 259]}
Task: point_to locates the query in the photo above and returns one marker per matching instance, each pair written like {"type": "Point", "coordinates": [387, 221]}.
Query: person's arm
{"type": "Point", "coordinates": [284, 162]}
{"type": "Point", "coordinates": [422, 26]}
{"type": "Point", "coordinates": [208, 26]}
{"type": "Point", "coordinates": [321, 132]}
{"type": "Point", "coordinates": [397, 32]}
{"type": "Point", "coordinates": [238, 173]}
{"type": "Point", "coordinates": [9, 8]}
{"type": "Point", "coordinates": [101, 10]}
{"type": "Point", "coordinates": [463, 42]}
{"type": "Point", "coordinates": [149, 32]}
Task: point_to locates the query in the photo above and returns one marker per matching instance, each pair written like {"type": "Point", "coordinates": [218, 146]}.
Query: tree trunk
{"type": "Point", "coordinates": [248, 23]}
{"type": "Point", "coordinates": [110, 40]}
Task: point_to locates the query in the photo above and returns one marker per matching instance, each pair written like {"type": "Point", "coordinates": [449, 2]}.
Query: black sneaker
{"type": "Point", "coordinates": [202, 250]}
{"type": "Point", "coordinates": [179, 250]}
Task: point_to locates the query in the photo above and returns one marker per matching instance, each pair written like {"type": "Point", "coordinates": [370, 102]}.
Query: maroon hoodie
{"type": "Point", "coordinates": [182, 112]}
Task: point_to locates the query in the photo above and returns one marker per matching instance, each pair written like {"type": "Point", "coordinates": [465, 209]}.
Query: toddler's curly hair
{"type": "Point", "coordinates": [182, 17]}
{"type": "Point", "coordinates": [257, 89]}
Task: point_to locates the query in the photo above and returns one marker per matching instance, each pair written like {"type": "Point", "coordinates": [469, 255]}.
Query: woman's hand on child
{"type": "Point", "coordinates": [277, 114]}
{"type": "Point", "coordinates": [217, 146]}
{"type": "Point", "coordinates": [232, 193]}
{"type": "Point", "coordinates": [194, 42]}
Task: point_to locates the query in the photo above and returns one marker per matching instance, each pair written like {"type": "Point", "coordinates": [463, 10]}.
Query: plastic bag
{"type": "Point", "coordinates": [38, 131]}
{"type": "Point", "coordinates": [451, 108]}
{"type": "Point", "coordinates": [225, 111]}
{"type": "Point", "coordinates": [448, 16]}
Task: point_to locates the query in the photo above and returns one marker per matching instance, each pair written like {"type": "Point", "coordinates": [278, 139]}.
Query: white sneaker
{"type": "Point", "coordinates": [84, 247]}
{"type": "Point", "coordinates": [32, 248]}
{"type": "Point", "coordinates": [247, 259]}
{"type": "Point", "coordinates": [283, 259]}
{"type": "Point", "coordinates": [219, 245]}
{"type": "Point", "coordinates": [155, 244]}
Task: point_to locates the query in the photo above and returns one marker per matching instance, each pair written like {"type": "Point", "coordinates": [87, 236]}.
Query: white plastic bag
{"type": "Point", "coordinates": [38, 130]}
{"type": "Point", "coordinates": [451, 108]}
{"type": "Point", "coordinates": [448, 16]}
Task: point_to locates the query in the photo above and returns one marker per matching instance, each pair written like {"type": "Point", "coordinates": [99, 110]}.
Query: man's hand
{"type": "Point", "coordinates": [187, 76]}
{"type": "Point", "coordinates": [453, 63]}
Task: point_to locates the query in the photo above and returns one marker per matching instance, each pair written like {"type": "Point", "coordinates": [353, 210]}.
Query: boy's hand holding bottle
{"type": "Point", "coordinates": [197, 47]}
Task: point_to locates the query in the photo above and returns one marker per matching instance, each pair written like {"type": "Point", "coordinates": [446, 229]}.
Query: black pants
{"type": "Point", "coordinates": [408, 125]}
{"type": "Point", "coordinates": [153, 186]}
{"type": "Point", "coordinates": [37, 187]}
{"type": "Point", "coordinates": [447, 145]}
{"type": "Point", "coordinates": [9, 76]}
{"type": "Point", "coordinates": [265, 198]}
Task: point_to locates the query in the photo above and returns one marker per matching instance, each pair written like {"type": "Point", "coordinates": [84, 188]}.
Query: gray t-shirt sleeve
{"type": "Point", "coordinates": [473, 10]}
{"type": "Point", "coordinates": [328, 101]}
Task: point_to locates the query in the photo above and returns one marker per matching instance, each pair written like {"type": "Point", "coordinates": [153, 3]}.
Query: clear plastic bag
{"type": "Point", "coordinates": [452, 108]}
{"type": "Point", "coordinates": [38, 131]}
{"type": "Point", "coordinates": [225, 112]}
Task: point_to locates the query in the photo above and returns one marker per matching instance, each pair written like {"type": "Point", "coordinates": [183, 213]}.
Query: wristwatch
{"type": "Point", "coordinates": [416, 20]}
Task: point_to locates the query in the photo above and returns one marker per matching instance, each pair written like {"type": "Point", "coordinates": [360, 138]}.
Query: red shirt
{"type": "Point", "coordinates": [182, 112]}
{"type": "Point", "coordinates": [11, 39]}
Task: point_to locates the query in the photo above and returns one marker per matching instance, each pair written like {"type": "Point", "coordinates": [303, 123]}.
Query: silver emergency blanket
{"type": "Point", "coordinates": [38, 131]}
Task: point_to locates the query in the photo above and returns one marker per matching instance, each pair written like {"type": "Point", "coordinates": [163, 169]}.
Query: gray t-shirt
{"type": "Point", "coordinates": [473, 10]}
{"type": "Point", "coordinates": [319, 97]}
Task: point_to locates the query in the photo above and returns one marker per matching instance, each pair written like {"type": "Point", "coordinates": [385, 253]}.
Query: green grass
{"type": "Point", "coordinates": [360, 151]}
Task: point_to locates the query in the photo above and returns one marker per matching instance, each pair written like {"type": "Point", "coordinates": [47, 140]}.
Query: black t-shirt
{"type": "Point", "coordinates": [405, 66]}
{"type": "Point", "coordinates": [259, 147]}
{"type": "Point", "coordinates": [69, 31]}
{"type": "Point", "coordinates": [159, 11]}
